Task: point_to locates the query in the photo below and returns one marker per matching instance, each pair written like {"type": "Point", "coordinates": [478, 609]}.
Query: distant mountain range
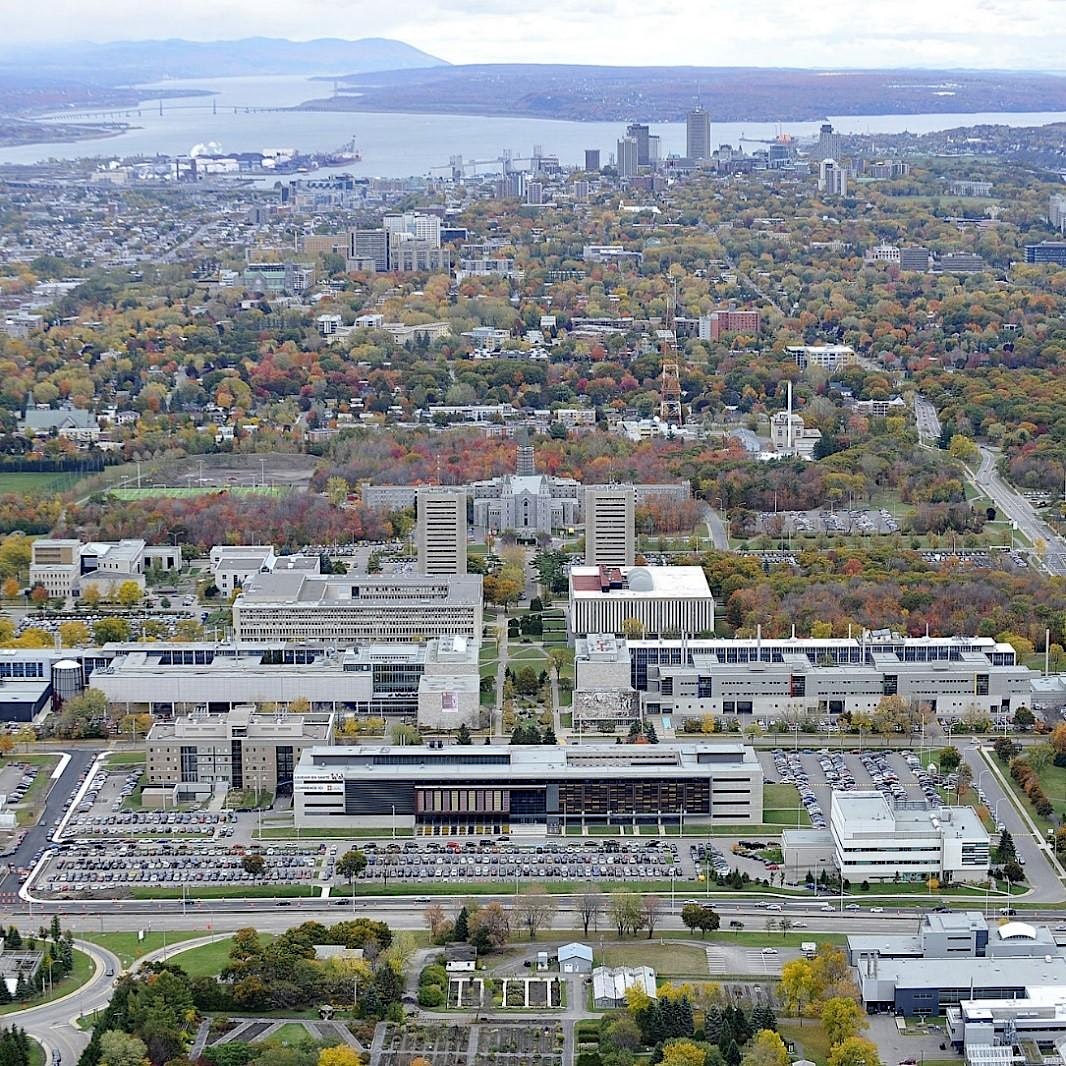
{"type": "Point", "coordinates": [132, 62]}
{"type": "Point", "coordinates": [665, 94]}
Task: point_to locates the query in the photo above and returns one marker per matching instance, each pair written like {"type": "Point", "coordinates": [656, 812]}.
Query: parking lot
{"type": "Point", "coordinates": [16, 778]}
{"type": "Point", "coordinates": [899, 775]}
{"type": "Point", "coordinates": [489, 860]}
{"type": "Point", "coordinates": [838, 523]}
{"type": "Point", "coordinates": [115, 868]}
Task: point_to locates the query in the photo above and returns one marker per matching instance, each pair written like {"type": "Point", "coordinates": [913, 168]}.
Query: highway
{"type": "Point", "coordinates": [928, 424]}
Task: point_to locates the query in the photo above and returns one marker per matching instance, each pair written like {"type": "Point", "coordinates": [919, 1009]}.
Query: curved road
{"type": "Point", "coordinates": [53, 1024]}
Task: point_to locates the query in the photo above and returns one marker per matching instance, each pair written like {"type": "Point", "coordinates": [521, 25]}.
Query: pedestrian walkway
{"type": "Point", "coordinates": [716, 963]}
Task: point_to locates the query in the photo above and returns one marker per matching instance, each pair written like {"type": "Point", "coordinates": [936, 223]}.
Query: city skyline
{"type": "Point", "coordinates": [997, 34]}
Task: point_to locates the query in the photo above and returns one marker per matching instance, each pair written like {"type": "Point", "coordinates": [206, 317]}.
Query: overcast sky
{"type": "Point", "coordinates": [1019, 34]}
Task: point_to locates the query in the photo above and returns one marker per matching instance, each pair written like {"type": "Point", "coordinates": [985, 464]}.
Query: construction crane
{"type": "Point", "coordinates": [671, 411]}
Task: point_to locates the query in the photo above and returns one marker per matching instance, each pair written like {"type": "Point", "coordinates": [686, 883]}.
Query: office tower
{"type": "Point", "coordinates": [440, 531]}
{"type": "Point", "coordinates": [592, 159]}
{"type": "Point", "coordinates": [628, 157]}
{"type": "Point", "coordinates": [655, 147]}
{"type": "Point", "coordinates": [832, 178]}
{"type": "Point", "coordinates": [828, 143]}
{"type": "Point", "coordinates": [698, 134]}
{"type": "Point", "coordinates": [581, 192]}
{"type": "Point", "coordinates": [610, 538]}
{"type": "Point", "coordinates": [1046, 252]}
{"type": "Point", "coordinates": [640, 132]}
{"type": "Point", "coordinates": [370, 244]}
{"type": "Point", "coordinates": [535, 193]}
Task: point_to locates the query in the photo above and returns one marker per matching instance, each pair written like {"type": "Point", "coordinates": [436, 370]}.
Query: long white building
{"type": "Point", "coordinates": [352, 609]}
{"type": "Point", "coordinates": [664, 600]}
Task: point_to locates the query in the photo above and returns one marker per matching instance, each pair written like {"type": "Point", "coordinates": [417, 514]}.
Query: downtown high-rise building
{"type": "Point", "coordinates": [698, 134]}
{"type": "Point", "coordinates": [832, 178]}
{"type": "Point", "coordinates": [440, 530]}
{"type": "Point", "coordinates": [592, 159]}
{"type": "Point", "coordinates": [640, 132]}
{"type": "Point", "coordinates": [628, 161]}
{"type": "Point", "coordinates": [828, 142]}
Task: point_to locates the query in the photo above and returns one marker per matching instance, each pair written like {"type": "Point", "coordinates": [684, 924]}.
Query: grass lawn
{"type": "Point", "coordinates": [288, 832]}
{"type": "Point", "coordinates": [291, 1033]}
{"type": "Point", "coordinates": [793, 817]}
{"type": "Point", "coordinates": [809, 1038]}
{"type": "Point", "coordinates": [227, 891]}
{"type": "Point", "coordinates": [36, 1053]}
{"type": "Point", "coordinates": [186, 492]}
{"type": "Point", "coordinates": [29, 810]}
{"type": "Point", "coordinates": [666, 959]}
{"type": "Point", "coordinates": [209, 959]}
{"type": "Point", "coordinates": [128, 948]}
{"type": "Point", "coordinates": [82, 971]}
{"type": "Point", "coordinates": [1052, 781]}
{"type": "Point", "coordinates": [126, 758]}
{"type": "Point", "coordinates": [36, 483]}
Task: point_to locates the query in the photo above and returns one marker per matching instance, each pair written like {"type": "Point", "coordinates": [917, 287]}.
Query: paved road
{"type": "Point", "coordinates": [39, 835]}
{"type": "Point", "coordinates": [1019, 510]}
{"type": "Point", "coordinates": [925, 416]}
{"type": "Point", "coordinates": [715, 528]}
{"type": "Point", "coordinates": [1043, 880]}
{"type": "Point", "coordinates": [52, 1024]}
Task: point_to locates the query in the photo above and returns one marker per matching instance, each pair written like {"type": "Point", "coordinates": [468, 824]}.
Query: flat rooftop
{"type": "Point", "coordinates": [529, 761]}
{"type": "Point", "coordinates": [295, 588]}
{"type": "Point", "coordinates": [651, 582]}
{"type": "Point", "coordinates": [960, 972]}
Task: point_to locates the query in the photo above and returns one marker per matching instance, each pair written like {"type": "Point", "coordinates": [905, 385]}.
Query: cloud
{"type": "Point", "coordinates": [831, 33]}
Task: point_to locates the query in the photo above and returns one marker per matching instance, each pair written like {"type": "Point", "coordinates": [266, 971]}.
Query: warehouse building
{"type": "Point", "coordinates": [480, 789]}
{"type": "Point", "coordinates": [351, 609]}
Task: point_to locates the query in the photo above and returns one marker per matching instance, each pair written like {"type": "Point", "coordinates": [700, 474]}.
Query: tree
{"type": "Point", "coordinates": [625, 910]}
{"type": "Point", "coordinates": [73, 634]}
{"type": "Point", "coordinates": [253, 863]}
{"type": "Point", "coordinates": [7, 746]}
{"type": "Point", "coordinates": [766, 1049]}
{"type": "Point", "coordinates": [109, 630]}
{"type": "Point", "coordinates": [336, 490]}
{"type": "Point", "coordinates": [950, 759]}
{"type": "Point", "coordinates": [10, 588]}
{"type": "Point", "coordinates": [462, 735]}
{"type": "Point", "coordinates": [652, 908]}
{"type": "Point", "coordinates": [129, 594]}
{"type": "Point", "coordinates": [339, 1055]}
{"type": "Point", "coordinates": [534, 911]}
{"type": "Point", "coordinates": [82, 716]}
{"type": "Point", "coordinates": [490, 927]}
{"type": "Point", "coordinates": [963, 449]}
{"type": "Point", "coordinates": [461, 931]}
{"type": "Point", "coordinates": [590, 907]}
{"type": "Point", "coordinates": [121, 1049]}
{"type": "Point", "coordinates": [350, 865]}
{"type": "Point", "coordinates": [683, 1053]}
{"type": "Point", "coordinates": [854, 1051]}
{"type": "Point", "coordinates": [798, 988]}
{"type": "Point", "coordinates": [842, 1017]}
{"type": "Point", "coordinates": [1024, 718]}
{"type": "Point", "coordinates": [1005, 849]}
{"type": "Point", "coordinates": [39, 595]}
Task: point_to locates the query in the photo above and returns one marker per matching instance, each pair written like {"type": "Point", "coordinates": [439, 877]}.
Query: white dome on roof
{"type": "Point", "coordinates": [1017, 930]}
{"type": "Point", "coordinates": [640, 579]}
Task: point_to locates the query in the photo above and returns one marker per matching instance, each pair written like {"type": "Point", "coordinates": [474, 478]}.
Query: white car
{"type": "Point", "coordinates": [769, 951]}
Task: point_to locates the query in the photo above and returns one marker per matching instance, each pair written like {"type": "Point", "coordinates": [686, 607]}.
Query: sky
{"type": "Point", "coordinates": [997, 34]}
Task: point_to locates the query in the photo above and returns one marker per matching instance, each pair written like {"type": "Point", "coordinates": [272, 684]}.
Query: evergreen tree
{"type": "Point", "coordinates": [5, 992]}
{"type": "Point", "coordinates": [13, 938]}
{"type": "Point", "coordinates": [461, 932]}
{"type": "Point", "coordinates": [56, 930]}
{"type": "Point", "coordinates": [22, 990]}
{"type": "Point", "coordinates": [730, 1051]}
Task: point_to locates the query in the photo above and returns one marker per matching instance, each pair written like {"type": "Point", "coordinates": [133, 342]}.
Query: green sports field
{"type": "Point", "coordinates": [177, 491]}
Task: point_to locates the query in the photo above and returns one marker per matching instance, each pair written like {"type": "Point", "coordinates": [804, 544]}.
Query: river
{"type": "Point", "coordinates": [399, 145]}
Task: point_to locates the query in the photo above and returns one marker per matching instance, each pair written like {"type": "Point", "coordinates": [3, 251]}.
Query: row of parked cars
{"type": "Point", "coordinates": [29, 775]}
{"type": "Point", "coordinates": [420, 862]}
{"type": "Point", "coordinates": [790, 770]}
{"type": "Point", "coordinates": [709, 855]}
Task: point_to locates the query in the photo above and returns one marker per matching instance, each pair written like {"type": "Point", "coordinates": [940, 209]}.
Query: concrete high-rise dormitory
{"type": "Point", "coordinates": [440, 531]}
{"type": "Point", "coordinates": [610, 536]}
